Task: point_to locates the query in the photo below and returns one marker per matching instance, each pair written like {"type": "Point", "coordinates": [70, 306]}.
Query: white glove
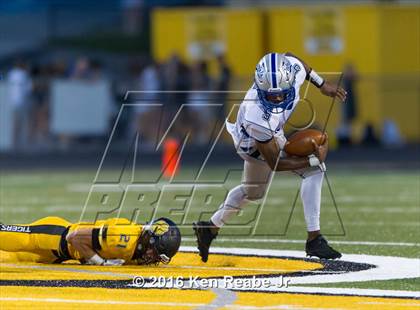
{"type": "Point", "coordinates": [113, 262]}
{"type": "Point", "coordinates": [99, 261]}
{"type": "Point", "coordinates": [313, 160]}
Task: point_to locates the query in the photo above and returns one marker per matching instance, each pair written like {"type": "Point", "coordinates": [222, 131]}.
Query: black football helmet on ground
{"type": "Point", "coordinates": [158, 242]}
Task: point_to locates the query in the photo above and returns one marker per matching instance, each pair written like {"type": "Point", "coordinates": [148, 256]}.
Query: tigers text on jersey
{"type": "Point", "coordinates": [44, 240]}
{"type": "Point", "coordinates": [255, 123]}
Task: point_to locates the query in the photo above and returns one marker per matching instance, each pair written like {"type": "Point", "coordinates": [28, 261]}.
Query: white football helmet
{"type": "Point", "coordinates": [274, 75]}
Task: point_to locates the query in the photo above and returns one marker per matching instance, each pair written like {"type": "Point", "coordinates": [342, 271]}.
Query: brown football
{"type": "Point", "coordinates": [299, 143]}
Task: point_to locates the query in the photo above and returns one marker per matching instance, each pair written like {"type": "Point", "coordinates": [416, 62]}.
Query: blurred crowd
{"type": "Point", "coordinates": [389, 137]}
{"type": "Point", "coordinates": [29, 95]}
{"type": "Point", "coordinates": [164, 87]}
{"type": "Point", "coordinates": [186, 98]}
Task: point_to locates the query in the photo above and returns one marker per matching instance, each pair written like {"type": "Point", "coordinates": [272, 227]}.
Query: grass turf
{"type": "Point", "coordinates": [378, 206]}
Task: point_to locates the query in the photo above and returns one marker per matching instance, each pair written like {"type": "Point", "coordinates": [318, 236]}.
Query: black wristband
{"type": "Point", "coordinates": [95, 239]}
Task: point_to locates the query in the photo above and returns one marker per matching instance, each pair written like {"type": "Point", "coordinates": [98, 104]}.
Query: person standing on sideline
{"type": "Point", "coordinates": [20, 88]}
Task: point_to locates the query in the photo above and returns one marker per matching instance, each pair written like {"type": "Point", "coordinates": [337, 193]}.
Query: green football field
{"type": "Point", "coordinates": [378, 211]}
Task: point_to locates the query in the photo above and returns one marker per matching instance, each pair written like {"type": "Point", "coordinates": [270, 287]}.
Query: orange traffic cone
{"type": "Point", "coordinates": [170, 158]}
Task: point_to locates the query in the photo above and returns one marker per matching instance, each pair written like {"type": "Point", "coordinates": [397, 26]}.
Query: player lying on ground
{"type": "Point", "coordinates": [109, 242]}
{"type": "Point", "coordinates": [259, 139]}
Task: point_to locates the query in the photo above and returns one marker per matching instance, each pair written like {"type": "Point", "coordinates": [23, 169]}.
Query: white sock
{"type": "Point", "coordinates": [234, 202]}
{"type": "Point", "coordinates": [310, 193]}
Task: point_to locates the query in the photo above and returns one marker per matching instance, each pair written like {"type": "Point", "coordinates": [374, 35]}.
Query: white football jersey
{"type": "Point", "coordinates": [254, 123]}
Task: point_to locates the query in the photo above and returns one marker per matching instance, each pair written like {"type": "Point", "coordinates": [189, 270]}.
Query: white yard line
{"type": "Point", "coordinates": [224, 298]}
{"type": "Point", "coordinates": [176, 304]}
{"type": "Point", "coordinates": [157, 303]}
{"type": "Point", "coordinates": [94, 301]}
{"type": "Point", "coordinates": [216, 305]}
{"type": "Point", "coordinates": [49, 206]}
{"type": "Point", "coordinates": [272, 240]}
{"type": "Point", "coordinates": [388, 304]}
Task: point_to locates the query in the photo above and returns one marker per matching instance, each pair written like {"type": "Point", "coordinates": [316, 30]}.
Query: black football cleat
{"type": "Point", "coordinates": [204, 238]}
{"type": "Point", "coordinates": [319, 247]}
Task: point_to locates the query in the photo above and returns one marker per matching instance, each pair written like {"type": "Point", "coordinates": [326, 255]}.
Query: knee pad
{"type": "Point", "coordinates": [254, 191]}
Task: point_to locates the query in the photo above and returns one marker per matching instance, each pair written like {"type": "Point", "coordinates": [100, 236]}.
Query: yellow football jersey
{"type": "Point", "coordinates": [112, 238]}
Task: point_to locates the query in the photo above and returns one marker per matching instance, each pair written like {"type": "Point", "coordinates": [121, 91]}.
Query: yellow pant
{"type": "Point", "coordinates": [38, 241]}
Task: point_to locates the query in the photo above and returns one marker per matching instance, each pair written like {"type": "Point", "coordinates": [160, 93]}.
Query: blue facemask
{"type": "Point", "coordinates": [277, 107]}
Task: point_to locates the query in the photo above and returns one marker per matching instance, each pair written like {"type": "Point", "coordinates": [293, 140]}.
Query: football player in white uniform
{"type": "Point", "coordinates": [259, 139]}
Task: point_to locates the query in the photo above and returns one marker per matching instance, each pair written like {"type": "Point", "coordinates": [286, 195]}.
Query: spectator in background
{"type": "Point", "coordinates": [132, 16]}
{"type": "Point", "coordinates": [20, 87]}
{"type": "Point", "coordinates": [84, 71]}
{"type": "Point", "coordinates": [349, 109]}
{"type": "Point", "coordinates": [58, 69]}
{"type": "Point", "coordinates": [81, 69]}
{"type": "Point", "coordinates": [146, 114]}
{"type": "Point", "coordinates": [176, 82]}
{"type": "Point", "coordinates": [96, 70]}
{"type": "Point", "coordinates": [369, 137]}
{"type": "Point", "coordinates": [391, 136]}
{"type": "Point", "coordinates": [170, 73]}
{"type": "Point", "coordinates": [222, 84]}
{"type": "Point", "coordinates": [201, 115]}
{"type": "Point", "coordinates": [40, 117]}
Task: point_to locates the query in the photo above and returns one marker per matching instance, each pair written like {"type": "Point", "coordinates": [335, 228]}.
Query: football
{"type": "Point", "coordinates": [299, 143]}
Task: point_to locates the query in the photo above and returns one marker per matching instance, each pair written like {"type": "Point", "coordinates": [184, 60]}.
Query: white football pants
{"type": "Point", "coordinates": [256, 177]}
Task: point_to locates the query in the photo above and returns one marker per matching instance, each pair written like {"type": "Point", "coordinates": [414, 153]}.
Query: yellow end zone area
{"type": "Point", "coordinates": [64, 298]}
{"type": "Point", "coordinates": [183, 265]}
{"type": "Point", "coordinates": [53, 296]}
